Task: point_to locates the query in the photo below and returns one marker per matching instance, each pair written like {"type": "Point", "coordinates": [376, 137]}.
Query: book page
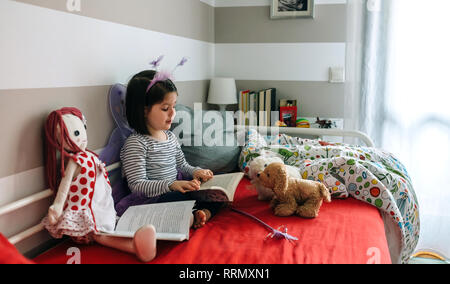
{"type": "Point", "coordinates": [171, 220]}
{"type": "Point", "coordinates": [226, 182]}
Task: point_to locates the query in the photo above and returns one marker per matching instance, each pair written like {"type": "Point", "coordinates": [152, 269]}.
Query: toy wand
{"type": "Point", "coordinates": [275, 233]}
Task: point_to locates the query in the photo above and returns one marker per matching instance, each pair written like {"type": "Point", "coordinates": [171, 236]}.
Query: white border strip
{"type": "Point", "coordinates": [279, 61]}
{"type": "Point", "coordinates": [45, 48]}
{"type": "Point", "coordinates": [248, 3]}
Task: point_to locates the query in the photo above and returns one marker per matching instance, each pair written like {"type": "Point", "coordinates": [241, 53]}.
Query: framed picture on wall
{"type": "Point", "coordinates": [291, 9]}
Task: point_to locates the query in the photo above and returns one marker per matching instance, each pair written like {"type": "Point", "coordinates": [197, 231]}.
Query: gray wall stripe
{"type": "Point", "coordinates": [187, 18]}
{"type": "Point", "coordinates": [26, 110]}
{"type": "Point", "coordinates": [313, 98]}
{"type": "Point", "coordinates": [253, 25]}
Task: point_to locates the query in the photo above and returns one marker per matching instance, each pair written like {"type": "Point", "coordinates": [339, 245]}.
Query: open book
{"type": "Point", "coordinates": [220, 188]}
{"type": "Point", "coordinates": [171, 220]}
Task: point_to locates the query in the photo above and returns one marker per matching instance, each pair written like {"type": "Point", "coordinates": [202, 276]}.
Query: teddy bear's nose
{"type": "Point", "coordinates": [258, 175]}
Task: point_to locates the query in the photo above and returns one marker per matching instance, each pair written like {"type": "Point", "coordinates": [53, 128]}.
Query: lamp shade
{"type": "Point", "coordinates": [222, 91]}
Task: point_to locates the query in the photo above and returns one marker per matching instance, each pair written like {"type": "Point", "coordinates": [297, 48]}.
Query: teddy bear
{"type": "Point", "coordinates": [258, 165]}
{"type": "Point", "coordinates": [291, 195]}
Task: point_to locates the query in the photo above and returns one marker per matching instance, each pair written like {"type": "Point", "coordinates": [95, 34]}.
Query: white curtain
{"type": "Point", "coordinates": [404, 100]}
{"type": "Point", "coordinates": [417, 126]}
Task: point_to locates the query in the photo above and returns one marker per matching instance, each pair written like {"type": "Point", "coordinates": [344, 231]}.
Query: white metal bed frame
{"type": "Point", "coordinates": [47, 193]}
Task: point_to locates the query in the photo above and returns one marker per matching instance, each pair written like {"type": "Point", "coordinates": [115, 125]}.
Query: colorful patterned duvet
{"type": "Point", "coordinates": [367, 174]}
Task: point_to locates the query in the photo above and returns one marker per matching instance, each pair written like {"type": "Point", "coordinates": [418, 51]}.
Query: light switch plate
{"type": "Point", "coordinates": [337, 75]}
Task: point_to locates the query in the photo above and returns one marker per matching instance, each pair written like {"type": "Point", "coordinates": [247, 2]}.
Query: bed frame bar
{"type": "Point", "coordinates": [296, 131]}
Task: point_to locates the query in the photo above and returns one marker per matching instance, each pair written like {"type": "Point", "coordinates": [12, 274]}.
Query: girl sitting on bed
{"type": "Point", "coordinates": [151, 155]}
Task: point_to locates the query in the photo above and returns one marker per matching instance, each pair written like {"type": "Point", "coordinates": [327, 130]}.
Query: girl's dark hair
{"type": "Point", "coordinates": [138, 98]}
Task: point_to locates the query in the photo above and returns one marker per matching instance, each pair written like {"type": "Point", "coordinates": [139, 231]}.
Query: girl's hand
{"type": "Point", "coordinates": [184, 186]}
{"type": "Point", "coordinates": [203, 175]}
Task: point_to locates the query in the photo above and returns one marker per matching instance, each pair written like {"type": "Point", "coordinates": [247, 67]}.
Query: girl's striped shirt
{"type": "Point", "coordinates": [150, 166]}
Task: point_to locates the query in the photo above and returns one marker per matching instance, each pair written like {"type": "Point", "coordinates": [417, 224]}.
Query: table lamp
{"type": "Point", "coordinates": [222, 92]}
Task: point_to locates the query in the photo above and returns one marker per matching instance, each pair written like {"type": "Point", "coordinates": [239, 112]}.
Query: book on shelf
{"type": "Point", "coordinates": [270, 105]}
{"type": "Point", "coordinates": [242, 106]}
{"type": "Point", "coordinates": [172, 219]}
{"type": "Point", "coordinates": [253, 109]}
{"type": "Point", "coordinates": [257, 107]}
{"type": "Point", "coordinates": [261, 108]}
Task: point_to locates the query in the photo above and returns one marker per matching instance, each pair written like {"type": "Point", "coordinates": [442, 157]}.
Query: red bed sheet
{"type": "Point", "coordinates": [346, 231]}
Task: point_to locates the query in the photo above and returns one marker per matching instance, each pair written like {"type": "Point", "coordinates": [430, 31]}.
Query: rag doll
{"type": "Point", "coordinates": [83, 206]}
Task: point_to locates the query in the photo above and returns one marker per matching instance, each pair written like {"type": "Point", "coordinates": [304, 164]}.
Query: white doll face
{"type": "Point", "coordinates": [76, 129]}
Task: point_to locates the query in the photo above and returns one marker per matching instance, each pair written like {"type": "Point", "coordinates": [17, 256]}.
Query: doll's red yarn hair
{"type": "Point", "coordinates": [56, 137]}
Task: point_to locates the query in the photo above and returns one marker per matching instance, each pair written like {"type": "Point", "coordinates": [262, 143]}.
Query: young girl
{"type": "Point", "coordinates": [152, 154]}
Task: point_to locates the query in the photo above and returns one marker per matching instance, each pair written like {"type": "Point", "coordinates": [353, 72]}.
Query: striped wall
{"type": "Point", "coordinates": [293, 55]}
{"type": "Point", "coordinates": [52, 56]}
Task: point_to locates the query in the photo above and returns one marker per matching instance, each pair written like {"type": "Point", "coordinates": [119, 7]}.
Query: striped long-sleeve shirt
{"type": "Point", "coordinates": [150, 166]}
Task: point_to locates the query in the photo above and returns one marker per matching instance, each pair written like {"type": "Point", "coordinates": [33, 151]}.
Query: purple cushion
{"type": "Point", "coordinates": [133, 199]}
{"type": "Point", "coordinates": [120, 190]}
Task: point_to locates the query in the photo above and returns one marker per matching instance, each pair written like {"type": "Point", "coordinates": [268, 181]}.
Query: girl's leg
{"type": "Point", "coordinates": [143, 245]}
{"type": "Point", "coordinates": [201, 216]}
{"type": "Point", "coordinates": [213, 207]}
{"type": "Point", "coordinates": [174, 196]}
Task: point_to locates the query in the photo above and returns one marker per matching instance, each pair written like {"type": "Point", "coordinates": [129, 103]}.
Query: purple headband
{"type": "Point", "coordinates": [163, 75]}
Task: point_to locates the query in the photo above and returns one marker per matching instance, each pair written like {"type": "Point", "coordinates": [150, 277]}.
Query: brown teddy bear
{"type": "Point", "coordinates": [292, 195]}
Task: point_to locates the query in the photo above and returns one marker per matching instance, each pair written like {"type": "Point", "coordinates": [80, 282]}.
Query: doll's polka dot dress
{"type": "Point", "coordinates": [89, 207]}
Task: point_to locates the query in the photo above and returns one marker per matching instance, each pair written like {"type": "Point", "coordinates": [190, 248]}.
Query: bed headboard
{"type": "Point", "coordinates": [20, 219]}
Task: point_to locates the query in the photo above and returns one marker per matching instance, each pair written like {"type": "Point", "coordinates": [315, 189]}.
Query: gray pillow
{"type": "Point", "coordinates": [219, 159]}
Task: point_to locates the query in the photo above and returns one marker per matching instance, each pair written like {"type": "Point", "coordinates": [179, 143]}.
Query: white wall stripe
{"type": "Point", "coordinates": [279, 61]}
{"type": "Point", "coordinates": [247, 3]}
{"type": "Point", "coordinates": [45, 48]}
{"type": "Point", "coordinates": [330, 2]}
{"type": "Point", "coordinates": [21, 185]}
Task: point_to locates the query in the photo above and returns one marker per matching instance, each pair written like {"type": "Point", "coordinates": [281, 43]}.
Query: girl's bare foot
{"type": "Point", "coordinates": [201, 217]}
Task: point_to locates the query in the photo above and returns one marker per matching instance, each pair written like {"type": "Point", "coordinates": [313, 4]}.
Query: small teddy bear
{"type": "Point", "coordinates": [293, 196]}
{"type": "Point", "coordinates": [258, 165]}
